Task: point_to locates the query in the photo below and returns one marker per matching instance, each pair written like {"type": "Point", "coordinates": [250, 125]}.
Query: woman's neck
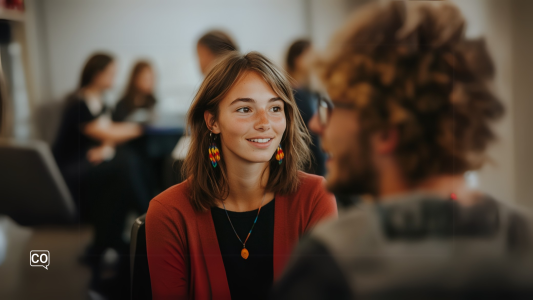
{"type": "Point", "coordinates": [92, 92]}
{"type": "Point", "coordinates": [247, 183]}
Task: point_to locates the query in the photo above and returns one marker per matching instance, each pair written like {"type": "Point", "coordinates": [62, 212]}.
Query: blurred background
{"type": "Point", "coordinates": [44, 45]}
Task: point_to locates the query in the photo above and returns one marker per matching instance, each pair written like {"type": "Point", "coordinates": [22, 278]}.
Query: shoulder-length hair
{"type": "Point", "coordinates": [208, 184]}
{"type": "Point", "coordinates": [132, 91]}
{"type": "Point", "coordinates": [94, 66]}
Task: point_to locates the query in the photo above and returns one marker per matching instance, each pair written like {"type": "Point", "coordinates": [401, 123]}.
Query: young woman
{"type": "Point", "coordinates": [227, 231]}
{"type": "Point", "coordinates": [139, 92]}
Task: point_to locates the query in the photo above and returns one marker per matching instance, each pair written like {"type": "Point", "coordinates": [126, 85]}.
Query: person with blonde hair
{"type": "Point", "coordinates": [226, 232]}
{"type": "Point", "coordinates": [409, 112]}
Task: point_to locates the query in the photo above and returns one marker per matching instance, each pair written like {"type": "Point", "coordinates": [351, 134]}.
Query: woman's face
{"type": "Point", "coordinates": [251, 120]}
{"type": "Point", "coordinates": [105, 79]}
{"type": "Point", "coordinates": [145, 81]}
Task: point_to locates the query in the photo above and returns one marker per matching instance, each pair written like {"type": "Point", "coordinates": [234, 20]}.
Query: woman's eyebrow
{"type": "Point", "coordinates": [243, 100]}
{"type": "Point", "coordinates": [252, 100]}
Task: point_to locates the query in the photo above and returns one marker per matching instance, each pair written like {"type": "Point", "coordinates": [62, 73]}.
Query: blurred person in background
{"type": "Point", "coordinates": [211, 47]}
{"type": "Point", "coordinates": [227, 230]}
{"type": "Point", "coordinates": [139, 94]}
{"type": "Point", "coordinates": [298, 64]}
{"type": "Point", "coordinates": [137, 105]}
{"type": "Point", "coordinates": [410, 113]}
{"type": "Point", "coordinates": [103, 177]}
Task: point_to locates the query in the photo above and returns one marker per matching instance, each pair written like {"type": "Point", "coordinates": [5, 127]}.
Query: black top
{"type": "Point", "coordinates": [72, 144]}
{"type": "Point", "coordinates": [247, 278]}
{"type": "Point", "coordinates": [124, 108]}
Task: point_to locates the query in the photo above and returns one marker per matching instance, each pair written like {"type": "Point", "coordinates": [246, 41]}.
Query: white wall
{"type": "Point", "coordinates": [492, 19]}
{"type": "Point", "coordinates": [164, 32]}
{"type": "Point", "coordinates": [523, 102]}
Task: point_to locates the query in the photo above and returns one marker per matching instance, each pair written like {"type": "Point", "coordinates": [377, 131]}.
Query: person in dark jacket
{"type": "Point", "coordinates": [298, 63]}
{"type": "Point", "coordinates": [410, 112]}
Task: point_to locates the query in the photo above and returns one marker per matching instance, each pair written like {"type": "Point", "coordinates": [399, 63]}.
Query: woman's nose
{"type": "Point", "coordinates": [262, 122]}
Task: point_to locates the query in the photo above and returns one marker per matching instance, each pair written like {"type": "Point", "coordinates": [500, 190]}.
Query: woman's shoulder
{"type": "Point", "coordinates": [311, 188]}
{"type": "Point", "coordinates": [175, 198]}
{"type": "Point", "coordinates": [312, 201]}
{"type": "Point", "coordinates": [74, 98]}
{"type": "Point", "coordinates": [310, 182]}
{"type": "Point", "coordinates": [74, 107]}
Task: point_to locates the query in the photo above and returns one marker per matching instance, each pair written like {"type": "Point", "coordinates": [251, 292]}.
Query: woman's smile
{"type": "Point", "coordinates": [262, 143]}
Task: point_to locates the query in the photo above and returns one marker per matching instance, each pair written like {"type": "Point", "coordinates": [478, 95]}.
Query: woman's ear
{"type": "Point", "coordinates": [211, 123]}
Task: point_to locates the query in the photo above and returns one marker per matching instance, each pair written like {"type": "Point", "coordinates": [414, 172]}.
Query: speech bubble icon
{"type": "Point", "coordinates": [40, 258]}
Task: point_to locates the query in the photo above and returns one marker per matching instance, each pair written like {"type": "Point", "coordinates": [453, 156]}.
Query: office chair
{"type": "Point", "coordinates": [32, 189]}
{"type": "Point", "coordinates": [141, 287]}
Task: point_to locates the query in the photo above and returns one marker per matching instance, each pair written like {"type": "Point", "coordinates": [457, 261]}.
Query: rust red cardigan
{"type": "Point", "coordinates": [183, 253]}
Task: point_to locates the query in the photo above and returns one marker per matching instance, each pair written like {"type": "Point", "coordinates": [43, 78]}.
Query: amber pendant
{"type": "Point", "coordinates": [245, 253]}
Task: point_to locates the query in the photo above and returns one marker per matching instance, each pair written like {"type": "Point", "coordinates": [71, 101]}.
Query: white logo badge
{"type": "Point", "coordinates": [40, 258]}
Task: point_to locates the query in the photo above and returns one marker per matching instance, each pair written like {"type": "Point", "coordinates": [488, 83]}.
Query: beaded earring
{"type": "Point", "coordinates": [214, 153]}
{"type": "Point", "coordinates": [279, 154]}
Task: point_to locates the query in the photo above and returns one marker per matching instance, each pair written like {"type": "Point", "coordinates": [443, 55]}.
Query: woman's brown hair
{"type": "Point", "coordinates": [208, 184]}
{"type": "Point", "coordinates": [296, 49]}
{"type": "Point", "coordinates": [94, 66]}
{"type": "Point", "coordinates": [218, 42]}
{"type": "Point", "coordinates": [132, 92]}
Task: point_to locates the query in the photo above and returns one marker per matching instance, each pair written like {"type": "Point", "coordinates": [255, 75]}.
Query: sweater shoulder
{"type": "Point", "coordinates": [310, 182]}
{"type": "Point", "coordinates": [176, 197]}
{"type": "Point", "coordinates": [312, 189]}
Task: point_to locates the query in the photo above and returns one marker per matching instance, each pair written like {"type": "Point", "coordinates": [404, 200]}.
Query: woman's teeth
{"type": "Point", "coordinates": [260, 140]}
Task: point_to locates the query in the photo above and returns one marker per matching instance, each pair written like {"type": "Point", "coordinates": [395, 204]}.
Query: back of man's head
{"type": "Point", "coordinates": [408, 66]}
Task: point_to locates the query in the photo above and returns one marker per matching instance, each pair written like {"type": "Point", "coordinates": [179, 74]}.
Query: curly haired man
{"type": "Point", "coordinates": [410, 113]}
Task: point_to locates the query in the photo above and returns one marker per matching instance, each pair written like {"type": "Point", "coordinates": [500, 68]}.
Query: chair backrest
{"type": "Point", "coordinates": [32, 190]}
{"type": "Point", "coordinates": [46, 120]}
{"type": "Point", "coordinates": [141, 287]}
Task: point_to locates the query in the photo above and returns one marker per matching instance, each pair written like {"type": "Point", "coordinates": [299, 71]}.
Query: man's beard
{"type": "Point", "coordinates": [356, 172]}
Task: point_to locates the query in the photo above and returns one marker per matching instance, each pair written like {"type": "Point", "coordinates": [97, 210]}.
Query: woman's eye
{"type": "Point", "coordinates": [276, 109]}
{"type": "Point", "coordinates": [244, 109]}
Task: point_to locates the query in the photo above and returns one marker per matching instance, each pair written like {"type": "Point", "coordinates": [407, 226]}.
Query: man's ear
{"type": "Point", "coordinates": [211, 123]}
{"type": "Point", "coordinates": [386, 141]}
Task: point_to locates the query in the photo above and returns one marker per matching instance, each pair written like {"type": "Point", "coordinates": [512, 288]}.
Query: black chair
{"type": "Point", "coordinates": [141, 287]}
{"type": "Point", "coordinates": [32, 189]}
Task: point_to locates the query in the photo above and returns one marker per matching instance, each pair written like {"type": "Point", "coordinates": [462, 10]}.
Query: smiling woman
{"type": "Point", "coordinates": [248, 145]}
{"type": "Point", "coordinates": [245, 97]}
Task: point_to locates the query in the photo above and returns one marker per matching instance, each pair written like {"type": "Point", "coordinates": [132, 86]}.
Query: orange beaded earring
{"type": "Point", "coordinates": [214, 153]}
{"type": "Point", "coordinates": [279, 154]}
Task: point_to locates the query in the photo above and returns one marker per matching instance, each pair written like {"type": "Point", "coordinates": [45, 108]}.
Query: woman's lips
{"type": "Point", "coordinates": [260, 143]}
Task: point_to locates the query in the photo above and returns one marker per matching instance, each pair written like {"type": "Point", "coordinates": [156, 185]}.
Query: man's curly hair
{"type": "Point", "coordinates": [409, 66]}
